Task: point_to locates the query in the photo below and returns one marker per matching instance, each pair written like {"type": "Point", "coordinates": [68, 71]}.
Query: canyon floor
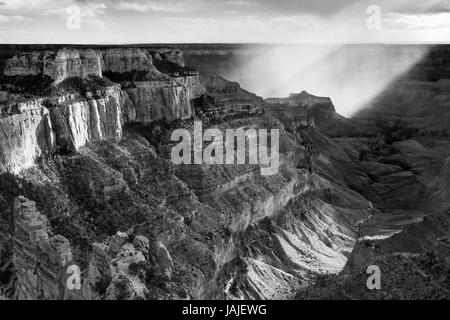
{"type": "Point", "coordinates": [87, 180]}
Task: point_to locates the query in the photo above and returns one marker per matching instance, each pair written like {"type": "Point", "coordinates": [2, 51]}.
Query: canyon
{"type": "Point", "coordinates": [86, 179]}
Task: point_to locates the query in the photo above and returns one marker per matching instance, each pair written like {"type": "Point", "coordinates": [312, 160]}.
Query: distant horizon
{"type": "Point", "coordinates": [219, 43]}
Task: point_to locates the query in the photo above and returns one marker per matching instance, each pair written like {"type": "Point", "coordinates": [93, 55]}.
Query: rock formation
{"type": "Point", "coordinates": [41, 259]}
{"type": "Point", "coordinates": [63, 64]}
{"type": "Point", "coordinates": [80, 111]}
{"type": "Point", "coordinates": [42, 126]}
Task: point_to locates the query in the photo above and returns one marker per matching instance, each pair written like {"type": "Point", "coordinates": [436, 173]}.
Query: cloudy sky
{"type": "Point", "coordinates": [255, 21]}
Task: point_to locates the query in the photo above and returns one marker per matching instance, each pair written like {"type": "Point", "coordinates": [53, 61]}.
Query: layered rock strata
{"type": "Point", "coordinates": [64, 122]}
{"type": "Point", "coordinates": [41, 259]}
{"type": "Point", "coordinates": [42, 126]}
{"type": "Point", "coordinates": [58, 65]}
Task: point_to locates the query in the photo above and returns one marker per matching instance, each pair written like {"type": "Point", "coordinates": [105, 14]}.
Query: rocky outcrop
{"type": "Point", "coordinates": [59, 65]}
{"type": "Point", "coordinates": [41, 259]}
{"type": "Point", "coordinates": [306, 110]}
{"type": "Point", "coordinates": [226, 99]}
{"type": "Point", "coordinates": [26, 135]}
{"type": "Point", "coordinates": [154, 100]}
{"type": "Point", "coordinates": [162, 260]}
{"type": "Point", "coordinates": [303, 99]}
{"type": "Point", "coordinates": [43, 262]}
{"type": "Point", "coordinates": [153, 94]}
{"type": "Point", "coordinates": [193, 85]}
{"type": "Point", "coordinates": [173, 55]}
{"type": "Point", "coordinates": [117, 268]}
{"type": "Point", "coordinates": [41, 126]}
{"type": "Point", "coordinates": [24, 63]}
{"type": "Point", "coordinates": [77, 122]}
{"type": "Point", "coordinates": [123, 60]}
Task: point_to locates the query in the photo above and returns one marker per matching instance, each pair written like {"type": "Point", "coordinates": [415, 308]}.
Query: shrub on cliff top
{"type": "Point", "coordinates": [35, 85]}
{"type": "Point", "coordinates": [82, 86]}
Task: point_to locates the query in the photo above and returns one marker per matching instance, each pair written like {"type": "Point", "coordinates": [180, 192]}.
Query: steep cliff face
{"type": "Point", "coordinates": [154, 95]}
{"type": "Point", "coordinates": [77, 122]}
{"type": "Point", "coordinates": [77, 109]}
{"type": "Point", "coordinates": [193, 85]}
{"type": "Point", "coordinates": [304, 109]}
{"type": "Point", "coordinates": [154, 100]}
{"type": "Point", "coordinates": [39, 127]}
{"type": "Point", "coordinates": [26, 135]}
{"type": "Point", "coordinates": [59, 65]}
{"type": "Point", "coordinates": [123, 60]}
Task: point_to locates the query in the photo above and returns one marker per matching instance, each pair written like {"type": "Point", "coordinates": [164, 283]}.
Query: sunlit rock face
{"type": "Point", "coordinates": [153, 94]}
{"type": "Point", "coordinates": [78, 122]}
{"type": "Point", "coordinates": [27, 134]}
{"type": "Point", "coordinates": [40, 127]}
{"type": "Point", "coordinates": [154, 100]}
{"type": "Point", "coordinates": [169, 98]}
{"type": "Point", "coordinates": [64, 122]}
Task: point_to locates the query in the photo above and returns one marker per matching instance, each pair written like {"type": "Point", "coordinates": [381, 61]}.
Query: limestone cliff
{"type": "Point", "coordinates": [77, 122]}
{"type": "Point", "coordinates": [157, 83]}
{"type": "Point", "coordinates": [26, 134]}
{"type": "Point", "coordinates": [59, 65]}
{"type": "Point", "coordinates": [154, 100]}
{"type": "Point", "coordinates": [41, 126]}
{"type": "Point", "coordinates": [79, 106]}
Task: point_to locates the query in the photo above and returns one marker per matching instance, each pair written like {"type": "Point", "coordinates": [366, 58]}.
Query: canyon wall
{"type": "Point", "coordinates": [77, 122]}
{"type": "Point", "coordinates": [127, 59]}
{"type": "Point", "coordinates": [154, 100]}
{"type": "Point", "coordinates": [42, 126]}
{"type": "Point", "coordinates": [58, 65]}
{"type": "Point", "coordinates": [25, 136]}
{"type": "Point", "coordinates": [77, 107]}
{"type": "Point", "coordinates": [154, 94]}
